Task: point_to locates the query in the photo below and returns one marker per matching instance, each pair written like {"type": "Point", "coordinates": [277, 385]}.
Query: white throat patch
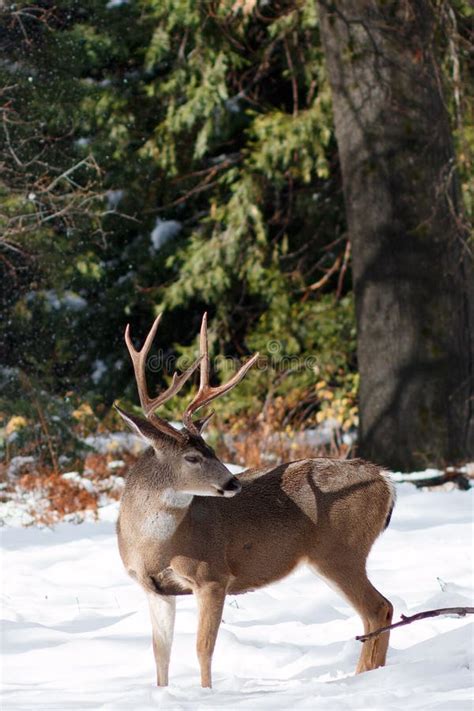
{"type": "Point", "coordinates": [175, 499]}
{"type": "Point", "coordinates": [160, 526]}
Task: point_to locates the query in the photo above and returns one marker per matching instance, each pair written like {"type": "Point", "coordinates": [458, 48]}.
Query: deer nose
{"type": "Point", "coordinates": [232, 487]}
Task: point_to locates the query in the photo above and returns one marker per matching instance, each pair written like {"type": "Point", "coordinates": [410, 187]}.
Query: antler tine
{"type": "Point", "coordinates": [176, 385]}
{"type": "Point", "coordinates": [206, 393]}
{"type": "Point", "coordinates": [139, 361]}
{"type": "Point", "coordinates": [204, 351]}
{"type": "Point", "coordinates": [149, 405]}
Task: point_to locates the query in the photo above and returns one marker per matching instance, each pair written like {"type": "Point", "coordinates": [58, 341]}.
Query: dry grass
{"type": "Point", "coordinates": [265, 441]}
{"type": "Point", "coordinates": [47, 496]}
{"type": "Point", "coordinates": [57, 497]}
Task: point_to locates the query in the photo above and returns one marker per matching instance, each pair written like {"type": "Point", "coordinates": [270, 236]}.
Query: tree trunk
{"type": "Point", "coordinates": [412, 266]}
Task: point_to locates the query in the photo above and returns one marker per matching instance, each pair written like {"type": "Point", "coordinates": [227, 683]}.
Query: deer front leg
{"type": "Point", "coordinates": [210, 599]}
{"type": "Point", "coordinates": [162, 613]}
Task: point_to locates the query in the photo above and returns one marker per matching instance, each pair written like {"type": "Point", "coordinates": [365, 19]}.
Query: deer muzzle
{"type": "Point", "coordinates": [231, 488]}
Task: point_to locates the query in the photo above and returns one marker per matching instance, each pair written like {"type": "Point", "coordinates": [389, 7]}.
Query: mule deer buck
{"type": "Point", "coordinates": [187, 525]}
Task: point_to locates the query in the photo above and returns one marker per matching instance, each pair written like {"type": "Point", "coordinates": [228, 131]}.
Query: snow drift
{"type": "Point", "coordinates": [76, 633]}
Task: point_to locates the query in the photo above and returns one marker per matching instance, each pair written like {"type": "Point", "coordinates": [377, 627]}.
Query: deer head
{"type": "Point", "coordinates": [184, 461]}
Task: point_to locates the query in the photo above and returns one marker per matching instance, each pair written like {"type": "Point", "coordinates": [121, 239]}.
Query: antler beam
{"type": "Point", "coordinates": [206, 393]}
{"type": "Point", "coordinates": [149, 404]}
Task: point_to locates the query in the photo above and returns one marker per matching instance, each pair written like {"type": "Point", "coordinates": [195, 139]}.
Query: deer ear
{"type": "Point", "coordinates": [144, 428]}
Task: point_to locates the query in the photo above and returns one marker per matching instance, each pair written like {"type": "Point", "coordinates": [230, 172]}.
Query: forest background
{"type": "Point", "coordinates": [169, 155]}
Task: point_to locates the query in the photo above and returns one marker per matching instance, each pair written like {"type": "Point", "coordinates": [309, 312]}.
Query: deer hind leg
{"type": "Point", "coordinates": [210, 599]}
{"type": "Point", "coordinates": [162, 613]}
{"type": "Point", "coordinates": [374, 609]}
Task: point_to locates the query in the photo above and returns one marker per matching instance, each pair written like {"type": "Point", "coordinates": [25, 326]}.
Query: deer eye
{"type": "Point", "coordinates": [192, 459]}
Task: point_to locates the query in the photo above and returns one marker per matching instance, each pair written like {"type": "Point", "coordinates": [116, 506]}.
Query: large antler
{"type": "Point", "coordinates": [206, 393]}
{"type": "Point", "coordinates": [149, 405]}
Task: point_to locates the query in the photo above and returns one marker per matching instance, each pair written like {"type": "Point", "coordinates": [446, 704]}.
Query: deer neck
{"type": "Point", "coordinates": [165, 513]}
{"type": "Point", "coordinates": [170, 500]}
{"type": "Point", "coordinates": [161, 482]}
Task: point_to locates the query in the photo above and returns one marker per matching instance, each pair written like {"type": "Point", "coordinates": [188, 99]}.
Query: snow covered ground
{"type": "Point", "coordinates": [76, 633]}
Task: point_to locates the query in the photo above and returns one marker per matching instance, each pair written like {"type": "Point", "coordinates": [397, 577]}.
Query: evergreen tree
{"type": "Point", "coordinates": [167, 154]}
{"type": "Point", "coordinates": [413, 269]}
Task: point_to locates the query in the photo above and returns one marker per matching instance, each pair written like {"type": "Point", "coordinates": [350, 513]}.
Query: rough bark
{"type": "Point", "coordinates": [412, 265]}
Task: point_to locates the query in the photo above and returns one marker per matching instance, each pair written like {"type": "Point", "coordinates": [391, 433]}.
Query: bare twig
{"type": "Point", "coordinates": [324, 279]}
{"type": "Point", "coordinates": [44, 425]}
{"type": "Point", "coordinates": [405, 620]}
{"type": "Point", "coordinates": [345, 262]}
{"type": "Point", "coordinates": [205, 185]}
{"type": "Point", "coordinates": [451, 475]}
{"type": "Point", "coordinates": [9, 144]}
{"type": "Point", "coordinates": [294, 85]}
{"type": "Point", "coordinates": [87, 161]}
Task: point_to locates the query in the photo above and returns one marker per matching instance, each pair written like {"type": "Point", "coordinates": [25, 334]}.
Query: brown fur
{"type": "Point", "coordinates": [322, 512]}
{"type": "Point", "coordinates": [186, 525]}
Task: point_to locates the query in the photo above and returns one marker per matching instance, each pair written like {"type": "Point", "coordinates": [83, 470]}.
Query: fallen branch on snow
{"type": "Point", "coordinates": [458, 611]}
{"type": "Point", "coordinates": [460, 478]}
